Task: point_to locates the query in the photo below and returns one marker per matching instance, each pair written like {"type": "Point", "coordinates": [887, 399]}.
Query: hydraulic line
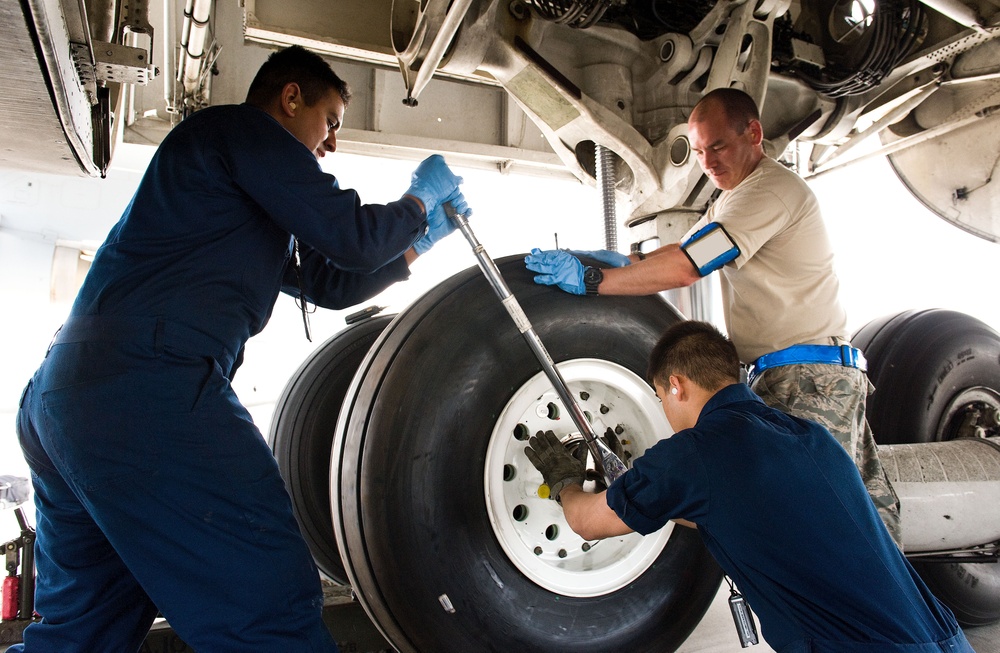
{"type": "Point", "coordinates": [895, 29]}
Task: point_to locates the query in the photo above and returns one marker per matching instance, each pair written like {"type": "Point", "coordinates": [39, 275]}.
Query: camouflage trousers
{"type": "Point", "coordinates": [835, 397]}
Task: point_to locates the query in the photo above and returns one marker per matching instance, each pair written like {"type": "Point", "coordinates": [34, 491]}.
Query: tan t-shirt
{"type": "Point", "coordinates": [782, 289]}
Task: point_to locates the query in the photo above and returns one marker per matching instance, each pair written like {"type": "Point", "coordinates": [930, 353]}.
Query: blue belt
{"type": "Point", "coordinates": [844, 355]}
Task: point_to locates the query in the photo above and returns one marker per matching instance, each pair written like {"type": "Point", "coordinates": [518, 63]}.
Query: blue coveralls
{"type": "Point", "coordinates": [782, 508]}
{"type": "Point", "coordinates": [154, 489]}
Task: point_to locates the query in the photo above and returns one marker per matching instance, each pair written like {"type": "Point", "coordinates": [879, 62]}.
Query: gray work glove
{"type": "Point", "coordinates": [614, 443]}
{"type": "Point", "coordinates": [558, 466]}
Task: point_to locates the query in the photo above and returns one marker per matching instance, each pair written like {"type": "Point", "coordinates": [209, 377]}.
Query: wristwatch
{"type": "Point", "coordinates": [592, 278]}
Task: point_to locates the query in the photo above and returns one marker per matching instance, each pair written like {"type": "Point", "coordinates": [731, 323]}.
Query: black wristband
{"type": "Point", "coordinates": [592, 278]}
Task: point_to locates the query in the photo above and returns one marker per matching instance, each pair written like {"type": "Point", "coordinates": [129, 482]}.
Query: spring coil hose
{"type": "Point", "coordinates": [574, 13]}
{"type": "Point", "coordinates": [896, 28]}
{"type": "Point", "coordinates": [605, 167]}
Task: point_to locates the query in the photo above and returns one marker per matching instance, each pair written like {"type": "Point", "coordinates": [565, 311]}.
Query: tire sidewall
{"type": "Point", "coordinates": [919, 362]}
{"type": "Point", "coordinates": [424, 456]}
{"type": "Point", "coordinates": [302, 430]}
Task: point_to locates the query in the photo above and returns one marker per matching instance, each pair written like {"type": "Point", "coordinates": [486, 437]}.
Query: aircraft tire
{"type": "Point", "coordinates": [919, 361]}
{"type": "Point", "coordinates": [420, 482]}
{"type": "Point", "coordinates": [931, 368]}
{"type": "Point", "coordinates": [302, 430]}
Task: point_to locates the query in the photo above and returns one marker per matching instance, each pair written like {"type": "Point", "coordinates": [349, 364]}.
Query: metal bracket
{"type": "Point", "coordinates": [135, 17]}
{"type": "Point", "coordinates": [84, 64]}
{"type": "Point", "coordinates": [986, 554]}
{"type": "Point", "coordinates": [122, 64]}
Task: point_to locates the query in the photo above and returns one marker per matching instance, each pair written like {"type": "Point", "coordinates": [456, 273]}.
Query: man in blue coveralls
{"type": "Point", "coordinates": [154, 490]}
{"type": "Point", "coordinates": [778, 502]}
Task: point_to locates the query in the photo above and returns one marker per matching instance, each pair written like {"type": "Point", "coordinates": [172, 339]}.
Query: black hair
{"type": "Point", "coordinates": [740, 108]}
{"type": "Point", "coordinates": [698, 351]}
{"type": "Point", "coordinates": [295, 64]}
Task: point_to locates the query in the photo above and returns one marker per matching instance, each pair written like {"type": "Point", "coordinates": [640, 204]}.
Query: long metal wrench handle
{"type": "Point", "coordinates": [608, 464]}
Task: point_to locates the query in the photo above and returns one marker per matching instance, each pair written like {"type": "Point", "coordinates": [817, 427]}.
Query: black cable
{"type": "Point", "coordinates": [894, 31]}
{"type": "Point", "coordinates": [574, 13]}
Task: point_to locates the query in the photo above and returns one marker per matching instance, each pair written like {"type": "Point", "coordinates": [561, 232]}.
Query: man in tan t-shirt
{"type": "Point", "coordinates": [780, 290]}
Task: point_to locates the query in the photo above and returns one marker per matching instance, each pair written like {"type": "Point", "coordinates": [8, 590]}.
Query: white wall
{"type": "Point", "coordinates": [894, 255]}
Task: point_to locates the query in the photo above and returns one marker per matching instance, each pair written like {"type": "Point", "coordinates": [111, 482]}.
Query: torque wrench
{"type": "Point", "coordinates": [608, 464]}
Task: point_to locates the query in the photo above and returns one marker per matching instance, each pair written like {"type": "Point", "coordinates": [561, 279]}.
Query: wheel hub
{"type": "Point", "coordinates": [972, 413]}
{"type": "Point", "coordinates": [532, 530]}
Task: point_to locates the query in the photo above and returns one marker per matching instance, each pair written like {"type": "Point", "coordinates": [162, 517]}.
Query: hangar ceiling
{"type": "Point", "coordinates": [50, 118]}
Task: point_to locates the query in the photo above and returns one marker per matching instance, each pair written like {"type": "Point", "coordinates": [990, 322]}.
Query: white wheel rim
{"type": "Point", "coordinates": [531, 530]}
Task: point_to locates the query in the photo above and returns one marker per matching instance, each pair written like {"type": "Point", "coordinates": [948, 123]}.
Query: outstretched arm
{"type": "Point", "coordinates": [663, 269]}
{"type": "Point", "coordinates": [666, 268]}
{"type": "Point", "coordinates": [589, 515]}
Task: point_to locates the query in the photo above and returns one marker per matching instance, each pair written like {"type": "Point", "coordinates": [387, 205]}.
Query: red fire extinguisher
{"type": "Point", "coordinates": [11, 595]}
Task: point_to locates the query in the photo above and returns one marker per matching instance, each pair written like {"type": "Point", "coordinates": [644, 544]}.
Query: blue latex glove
{"type": "Point", "coordinates": [606, 256]}
{"type": "Point", "coordinates": [432, 182]}
{"type": "Point", "coordinates": [557, 267]}
{"type": "Point", "coordinates": [440, 225]}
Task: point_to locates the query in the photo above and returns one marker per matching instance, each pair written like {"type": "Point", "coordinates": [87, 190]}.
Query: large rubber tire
{"type": "Point", "coordinates": [411, 512]}
{"type": "Point", "coordinates": [302, 430]}
{"type": "Point", "coordinates": [930, 369]}
{"type": "Point", "coordinates": [919, 361]}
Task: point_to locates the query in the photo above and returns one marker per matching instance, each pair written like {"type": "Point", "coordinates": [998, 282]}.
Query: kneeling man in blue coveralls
{"type": "Point", "coordinates": [778, 502]}
{"type": "Point", "coordinates": [154, 490]}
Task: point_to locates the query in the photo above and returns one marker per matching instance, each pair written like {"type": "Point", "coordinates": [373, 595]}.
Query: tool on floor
{"type": "Point", "coordinates": [608, 464]}
{"type": "Point", "coordinates": [18, 609]}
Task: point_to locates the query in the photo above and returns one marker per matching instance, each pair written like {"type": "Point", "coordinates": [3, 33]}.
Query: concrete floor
{"type": "Point", "coordinates": [717, 634]}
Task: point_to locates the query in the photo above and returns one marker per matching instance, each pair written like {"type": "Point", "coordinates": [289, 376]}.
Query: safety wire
{"type": "Point", "coordinates": [301, 300]}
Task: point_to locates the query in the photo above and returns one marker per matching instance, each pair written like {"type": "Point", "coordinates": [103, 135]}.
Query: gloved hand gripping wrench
{"type": "Point", "coordinates": [608, 464]}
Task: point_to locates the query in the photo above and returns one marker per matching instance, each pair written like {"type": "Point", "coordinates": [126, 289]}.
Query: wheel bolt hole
{"type": "Point", "coordinates": [520, 512]}
{"type": "Point", "coordinates": [585, 547]}
{"type": "Point", "coordinates": [584, 396]}
{"type": "Point", "coordinates": [562, 553]}
{"type": "Point", "coordinates": [553, 411]}
{"type": "Point", "coordinates": [509, 472]}
{"type": "Point", "coordinates": [521, 432]}
{"type": "Point", "coordinates": [538, 551]}
{"type": "Point", "coordinates": [552, 532]}
{"type": "Point", "coordinates": [604, 409]}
